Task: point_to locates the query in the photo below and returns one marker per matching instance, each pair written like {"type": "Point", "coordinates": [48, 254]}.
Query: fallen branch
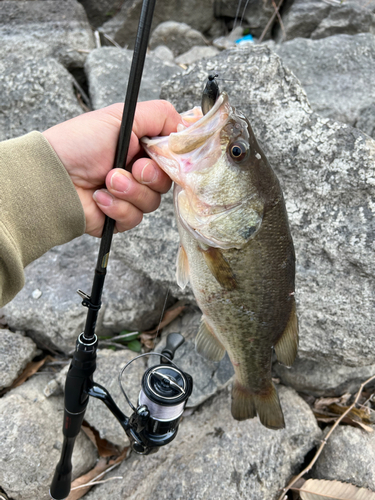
{"type": "Point", "coordinates": [270, 22]}
{"type": "Point", "coordinates": [324, 441]}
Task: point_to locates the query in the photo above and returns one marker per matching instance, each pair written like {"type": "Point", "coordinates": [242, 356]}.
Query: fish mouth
{"type": "Point", "coordinates": [195, 145]}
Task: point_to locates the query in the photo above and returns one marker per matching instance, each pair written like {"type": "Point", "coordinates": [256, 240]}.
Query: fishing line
{"type": "Point", "coordinates": [243, 12]}
{"type": "Point", "coordinates": [162, 313]}
{"type": "Point", "coordinates": [238, 11]}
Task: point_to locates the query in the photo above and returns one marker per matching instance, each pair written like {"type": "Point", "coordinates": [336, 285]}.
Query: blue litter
{"type": "Point", "coordinates": [245, 39]}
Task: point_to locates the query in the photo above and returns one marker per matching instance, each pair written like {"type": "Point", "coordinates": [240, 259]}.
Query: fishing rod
{"type": "Point", "coordinates": [165, 388]}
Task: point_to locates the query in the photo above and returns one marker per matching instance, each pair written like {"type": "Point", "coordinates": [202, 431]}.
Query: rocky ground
{"type": "Point", "coordinates": [306, 84]}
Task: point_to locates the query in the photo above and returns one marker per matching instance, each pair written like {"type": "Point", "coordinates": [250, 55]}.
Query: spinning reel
{"type": "Point", "coordinates": [164, 392]}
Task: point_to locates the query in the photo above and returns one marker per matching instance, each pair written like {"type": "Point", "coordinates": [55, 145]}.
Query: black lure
{"type": "Point", "coordinates": [210, 93]}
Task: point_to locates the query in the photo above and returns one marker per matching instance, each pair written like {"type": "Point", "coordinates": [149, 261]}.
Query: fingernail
{"type": "Point", "coordinates": [103, 198]}
{"type": "Point", "coordinates": [149, 173]}
{"type": "Point", "coordinates": [120, 182]}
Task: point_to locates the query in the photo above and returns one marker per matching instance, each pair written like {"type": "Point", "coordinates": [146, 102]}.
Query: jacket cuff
{"type": "Point", "coordinates": [39, 205]}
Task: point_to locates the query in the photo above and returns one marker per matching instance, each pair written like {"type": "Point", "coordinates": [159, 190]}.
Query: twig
{"type": "Point", "coordinates": [324, 442]}
{"type": "Point", "coordinates": [270, 22]}
{"type": "Point", "coordinates": [120, 337]}
{"type": "Point", "coordinates": [93, 483]}
{"type": "Point", "coordinates": [97, 39]}
{"type": "Point", "coordinates": [280, 20]}
{"type": "Point", "coordinates": [108, 343]}
{"type": "Point", "coordinates": [84, 96]}
{"type": "Point", "coordinates": [110, 39]}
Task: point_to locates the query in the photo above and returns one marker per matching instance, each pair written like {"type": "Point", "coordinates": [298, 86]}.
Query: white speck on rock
{"type": "Point", "coordinates": [36, 294]}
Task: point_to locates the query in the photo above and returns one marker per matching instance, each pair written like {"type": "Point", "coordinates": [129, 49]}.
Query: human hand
{"type": "Point", "coordinates": [86, 146]}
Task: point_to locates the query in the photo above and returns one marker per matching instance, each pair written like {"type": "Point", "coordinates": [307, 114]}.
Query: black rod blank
{"type": "Point", "coordinates": [132, 92]}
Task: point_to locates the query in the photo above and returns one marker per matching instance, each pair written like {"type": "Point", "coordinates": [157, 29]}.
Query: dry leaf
{"type": "Point", "coordinates": [29, 370]}
{"type": "Point", "coordinates": [104, 447]}
{"type": "Point", "coordinates": [318, 489]}
{"type": "Point", "coordinates": [168, 317]}
{"type": "Point", "coordinates": [103, 465]}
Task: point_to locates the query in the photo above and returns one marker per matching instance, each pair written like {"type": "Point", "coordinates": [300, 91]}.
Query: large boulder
{"type": "Point", "coordinates": [15, 352]}
{"type": "Point", "coordinates": [108, 70]}
{"type": "Point", "coordinates": [35, 94]}
{"type": "Point", "coordinates": [31, 441]}
{"type": "Point", "coordinates": [199, 14]}
{"type": "Point", "coordinates": [54, 317]}
{"type": "Point", "coordinates": [337, 74]}
{"type": "Point", "coordinates": [45, 28]}
{"type": "Point", "coordinates": [317, 19]}
{"type": "Point", "coordinates": [214, 456]}
{"type": "Point", "coordinates": [348, 456]}
{"type": "Point", "coordinates": [179, 37]}
{"type": "Point", "coordinates": [327, 171]}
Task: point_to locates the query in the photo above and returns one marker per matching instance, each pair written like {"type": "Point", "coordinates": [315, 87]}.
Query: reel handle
{"type": "Point", "coordinates": [174, 341]}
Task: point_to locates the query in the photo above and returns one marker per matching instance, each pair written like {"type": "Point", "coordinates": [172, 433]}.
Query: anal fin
{"type": "Point", "coordinates": [219, 267]}
{"type": "Point", "coordinates": [287, 345]}
{"type": "Point", "coordinates": [207, 345]}
{"type": "Point", "coordinates": [246, 404]}
{"type": "Point", "coordinates": [182, 268]}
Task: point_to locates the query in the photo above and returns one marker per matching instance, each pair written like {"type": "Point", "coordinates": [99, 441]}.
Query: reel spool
{"type": "Point", "coordinates": [165, 390]}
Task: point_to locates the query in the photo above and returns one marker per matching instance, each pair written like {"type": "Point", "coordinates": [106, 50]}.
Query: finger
{"type": "Point", "coordinates": [123, 186]}
{"type": "Point", "coordinates": [126, 215]}
{"type": "Point", "coordinates": [147, 172]}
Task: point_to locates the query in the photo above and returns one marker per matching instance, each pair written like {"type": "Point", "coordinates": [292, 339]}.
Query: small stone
{"type": "Point", "coordinates": [36, 294]}
{"type": "Point", "coordinates": [179, 37]}
{"type": "Point", "coordinates": [51, 388]}
{"type": "Point", "coordinates": [163, 53]}
{"type": "Point", "coordinates": [195, 54]}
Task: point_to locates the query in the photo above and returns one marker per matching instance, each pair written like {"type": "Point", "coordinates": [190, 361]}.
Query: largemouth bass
{"type": "Point", "coordinates": [236, 250]}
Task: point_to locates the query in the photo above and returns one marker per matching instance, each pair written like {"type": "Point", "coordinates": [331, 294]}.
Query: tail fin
{"type": "Point", "coordinates": [246, 404]}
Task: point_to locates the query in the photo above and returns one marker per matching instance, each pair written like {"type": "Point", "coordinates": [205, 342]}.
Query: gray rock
{"type": "Point", "coordinates": [336, 73]}
{"type": "Point", "coordinates": [35, 94]}
{"type": "Point", "coordinates": [348, 456]}
{"type": "Point", "coordinates": [323, 378]}
{"type": "Point", "coordinates": [130, 300]}
{"type": "Point", "coordinates": [327, 171]}
{"type": "Point", "coordinates": [199, 14]}
{"type": "Point", "coordinates": [209, 377]}
{"type": "Point", "coordinates": [45, 28]}
{"type": "Point", "coordinates": [15, 352]}
{"type": "Point", "coordinates": [179, 37]}
{"type": "Point", "coordinates": [366, 120]}
{"type": "Point", "coordinates": [195, 54]}
{"type": "Point", "coordinates": [109, 366]}
{"type": "Point", "coordinates": [151, 248]}
{"type": "Point", "coordinates": [255, 17]}
{"type": "Point", "coordinates": [213, 456]}
{"type": "Point", "coordinates": [316, 19]}
{"type": "Point", "coordinates": [31, 440]}
{"type": "Point", "coordinates": [108, 71]}
{"type": "Point", "coordinates": [164, 53]}
{"type": "Point", "coordinates": [225, 42]}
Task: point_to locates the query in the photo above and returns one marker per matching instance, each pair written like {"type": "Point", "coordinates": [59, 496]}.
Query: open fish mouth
{"type": "Point", "coordinates": [196, 144]}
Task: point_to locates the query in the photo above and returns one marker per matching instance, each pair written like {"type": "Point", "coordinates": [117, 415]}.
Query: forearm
{"type": "Point", "coordinates": [39, 207]}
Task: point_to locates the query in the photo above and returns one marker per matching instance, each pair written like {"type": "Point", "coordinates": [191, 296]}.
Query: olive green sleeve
{"type": "Point", "coordinates": [39, 207]}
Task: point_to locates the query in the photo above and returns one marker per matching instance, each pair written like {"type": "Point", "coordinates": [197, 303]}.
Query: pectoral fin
{"type": "Point", "coordinates": [207, 345]}
{"type": "Point", "coordinates": [286, 347]}
{"type": "Point", "coordinates": [219, 267]}
{"type": "Point", "coordinates": [182, 268]}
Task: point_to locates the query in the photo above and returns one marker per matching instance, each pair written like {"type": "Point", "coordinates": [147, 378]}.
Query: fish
{"type": "Point", "coordinates": [236, 250]}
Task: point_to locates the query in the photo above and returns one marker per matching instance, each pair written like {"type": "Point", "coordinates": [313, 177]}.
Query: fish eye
{"type": "Point", "coordinates": [238, 150]}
